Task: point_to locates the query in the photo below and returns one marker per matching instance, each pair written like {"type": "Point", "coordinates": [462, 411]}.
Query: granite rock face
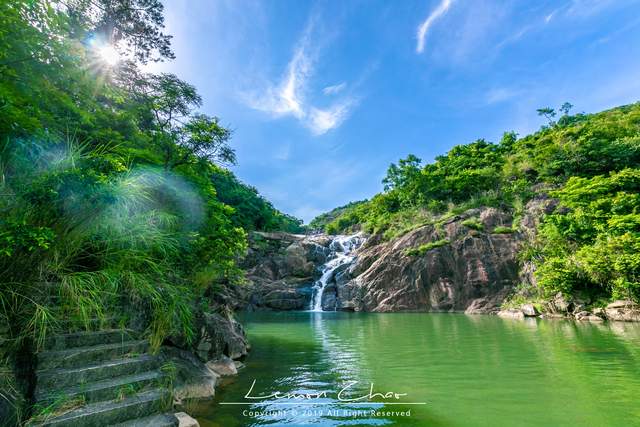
{"type": "Point", "coordinates": [281, 268]}
{"type": "Point", "coordinates": [219, 338]}
{"type": "Point", "coordinates": [473, 270]}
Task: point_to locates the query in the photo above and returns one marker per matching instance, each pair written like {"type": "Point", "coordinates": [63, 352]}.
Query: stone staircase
{"type": "Point", "coordinates": [104, 378]}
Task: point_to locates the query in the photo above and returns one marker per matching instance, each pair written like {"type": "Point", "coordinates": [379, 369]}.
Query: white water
{"type": "Point", "coordinates": [342, 248]}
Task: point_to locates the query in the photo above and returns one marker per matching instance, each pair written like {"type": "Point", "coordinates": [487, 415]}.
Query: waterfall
{"type": "Point", "coordinates": [341, 252]}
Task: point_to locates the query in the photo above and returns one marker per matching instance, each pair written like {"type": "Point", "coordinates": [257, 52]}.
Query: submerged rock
{"type": "Point", "coordinates": [511, 313]}
{"type": "Point", "coordinates": [223, 366]}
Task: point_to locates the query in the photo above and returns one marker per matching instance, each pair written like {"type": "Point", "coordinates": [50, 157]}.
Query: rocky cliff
{"type": "Point", "coordinates": [281, 269]}
{"type": "Point", "coordinates": [447, 266]}
{"type": "Point", "coordinates": [467, 262]}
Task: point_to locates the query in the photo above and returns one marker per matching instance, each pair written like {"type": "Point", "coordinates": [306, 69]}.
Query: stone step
{"type": "Point", "coordinates": [63, 378]}
{"type": "Point", "coordinates": [87, 339]}
{"type": "Point", "coordinates": [103, 390]}
{"type": "Point", "coordinates": [160, 420]}
{"type": "Point", "coordinates": [112, 412]}
{"type": "Point", "coordinates": [82, 356]}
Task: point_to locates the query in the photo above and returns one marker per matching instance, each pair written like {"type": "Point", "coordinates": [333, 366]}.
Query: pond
{"type": "Point", "coordinates": [427, 369]}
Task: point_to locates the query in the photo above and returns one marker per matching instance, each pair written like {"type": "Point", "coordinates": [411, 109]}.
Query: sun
{"type": "Point", "coordinates": [109, 55]}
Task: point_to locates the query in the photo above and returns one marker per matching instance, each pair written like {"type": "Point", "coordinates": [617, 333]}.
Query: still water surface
{"type": "Point", "coordinates": [468, 370]}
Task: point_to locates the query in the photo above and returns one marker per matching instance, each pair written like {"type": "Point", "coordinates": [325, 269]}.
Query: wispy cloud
{"type": "Point", "coordinates": [335, 89]}
{"type": "Point", "coordinates": [423, 29]}
{"type": "Point", "coordinates": [500, 94]}
{"type": "Point", "coordinates": [322, 120]}
{"type": "Point", "coordinates": [289, 97]}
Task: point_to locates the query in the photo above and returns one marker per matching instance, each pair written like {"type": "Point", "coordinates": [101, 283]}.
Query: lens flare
{"type": "Point", "coordinates": [109, 55]}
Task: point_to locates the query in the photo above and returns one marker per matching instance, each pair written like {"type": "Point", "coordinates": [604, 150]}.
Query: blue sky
{"type": "Point", "coordinates": [323, 95]}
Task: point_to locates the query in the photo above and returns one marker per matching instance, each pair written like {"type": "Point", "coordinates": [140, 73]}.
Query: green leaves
{"type": "Point", "coordinates": [593, 242]}
{"type": "Point", "coordinates": [17, 235]}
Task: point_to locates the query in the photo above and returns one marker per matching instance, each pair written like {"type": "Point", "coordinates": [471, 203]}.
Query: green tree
{"type": "Point", "coordinates": [133, 26]}
{"type": "Point", "coordinates": [548, 113]}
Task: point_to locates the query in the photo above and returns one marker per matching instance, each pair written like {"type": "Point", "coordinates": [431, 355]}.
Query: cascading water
{"type": "Point", "coordinates": [341, 252]}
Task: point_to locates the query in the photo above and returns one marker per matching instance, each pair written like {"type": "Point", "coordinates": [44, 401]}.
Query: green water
{"type": "Point", "coordinates": [469, 370]}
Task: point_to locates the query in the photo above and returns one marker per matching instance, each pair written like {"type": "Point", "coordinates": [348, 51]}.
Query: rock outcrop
{"type": "Point", "coordinates": [281, 269]}
{"type": "Point", "coordinates": [448, 266]}
{"type": "Point", "coordinates": [219, 337]}
{"type": "Point", "coordinates": [623, 311]}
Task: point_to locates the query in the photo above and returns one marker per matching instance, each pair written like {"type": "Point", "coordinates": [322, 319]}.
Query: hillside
{"type": "Point", "coordinates": [588, 163]}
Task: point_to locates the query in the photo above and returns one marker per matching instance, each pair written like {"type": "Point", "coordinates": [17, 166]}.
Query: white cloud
{"type": "Point", "coordinates": [423, 29]}
{"type": "Point", "coordinates": [289, 96]}
{"type": "Point", "coordinates": [286, 98]}
{"type": "Point", "coordinates": [321, 121]}
{"type": "Point", "coordinates": [335, 89]}
{"type": "Point", "coordinates": [549, 17]}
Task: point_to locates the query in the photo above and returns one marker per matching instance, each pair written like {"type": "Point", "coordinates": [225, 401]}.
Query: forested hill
{"type": "Point", "coordinates": [114, 185]}
{"type": "Point", "coordinates": [590, 163]}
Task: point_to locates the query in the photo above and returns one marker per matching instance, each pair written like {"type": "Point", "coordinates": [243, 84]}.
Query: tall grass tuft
{"type": "Point", "coordinates": [83, 237]}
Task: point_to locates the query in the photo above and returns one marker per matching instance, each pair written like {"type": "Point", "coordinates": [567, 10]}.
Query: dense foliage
{"type": "Point", "coordinates": [590, 244]}
{"type": "Point", "coordinates": [113, 186]}
{"type": "Point", "coordinates": [252, 211]}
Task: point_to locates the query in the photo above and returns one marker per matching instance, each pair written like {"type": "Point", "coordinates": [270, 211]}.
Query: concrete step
{"type": "Point", "coordinates": [109, 389]}
{"type": "Point", "coordinates": [82, 356]}
{"type": "Point", "coordinates": [112, 412]}
{"type": "Point", "coordinates": [160, 420]}
{"type": "Point", "coordinates": [62, 378]}
{"type": "Point", "coordinates": [87, 339]}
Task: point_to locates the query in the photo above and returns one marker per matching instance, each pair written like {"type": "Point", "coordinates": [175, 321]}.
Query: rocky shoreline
{"type": "Point", "coordinates": [560, 307]}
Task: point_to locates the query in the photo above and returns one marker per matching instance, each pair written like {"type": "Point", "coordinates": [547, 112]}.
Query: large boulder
{"type": "Point", "coordinates": [295, 261]}
{"type": "Point", "coordinates": [623, 311]}
{"type": "Point", "coordinates": [220, 334]}
{"type": "Point", "coordinates": [529, 310]}
{"type": "Point", "coordinates": [223, 366]}
{"type": "Point", "coordinates": [193, 379]}
{"type": "Point", "coordinates": [511, 313]}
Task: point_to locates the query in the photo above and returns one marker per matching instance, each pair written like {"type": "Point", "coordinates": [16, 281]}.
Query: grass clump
{"type": "Point", "coordinates": [474, 224]}
{"type": "Point", "coordinates": [501, 229]}
{"type": "Point", "coordinates": [423, 249]}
